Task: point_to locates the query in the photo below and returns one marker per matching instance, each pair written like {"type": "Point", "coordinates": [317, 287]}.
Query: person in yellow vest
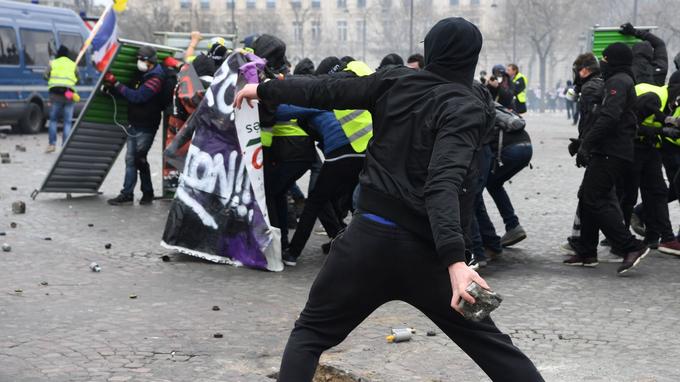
{"type": "Point", "coordinates": [653, 107]}
{"type": "Point", "coordinates": [344, 136]}
{"type": "Point", "coordinates": [520, 88]}
{"type": "Point", "coordinates": [645, 173]}
{"type": "Point", "coordinates": [62, 77]}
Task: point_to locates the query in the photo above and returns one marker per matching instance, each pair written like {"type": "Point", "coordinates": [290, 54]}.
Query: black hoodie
{"type": "Point", "coordinates": [427, 127]}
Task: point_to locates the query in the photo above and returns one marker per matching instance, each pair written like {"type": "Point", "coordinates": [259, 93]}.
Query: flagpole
{"type": "Point", "coordinates": [93, 33]}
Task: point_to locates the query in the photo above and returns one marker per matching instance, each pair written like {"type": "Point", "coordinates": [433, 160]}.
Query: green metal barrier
{"type": "Point", "coordinates": [96, 140]}
{"type": "Point", "coordinates": [602, 37]}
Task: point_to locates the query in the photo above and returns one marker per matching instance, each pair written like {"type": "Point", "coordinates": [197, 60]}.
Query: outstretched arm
{"type": "Point", "coordinates": [322, 93]}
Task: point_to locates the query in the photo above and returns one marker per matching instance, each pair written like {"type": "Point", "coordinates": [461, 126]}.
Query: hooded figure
{"type": "Point", "coordinates": [427, 128]}
{"type": "Point", "coordinates": [391, 60]}
{"type": "Point", "coordinates": [272, 49]}
{"type": "Point", "coordinates": [450, 57]}
{"type": "Point", "coordinates": [643, 70]}
{"type": "Point", "coordinates": [304, 67]}
{"type": "Point", "coordinates": [617, 58]}
{"type": "Point", "coordinates": [329, 65]}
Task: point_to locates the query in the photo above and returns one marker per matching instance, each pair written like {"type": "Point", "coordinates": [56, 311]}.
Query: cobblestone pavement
{"type": "Point", "coordinates": [61, 322]}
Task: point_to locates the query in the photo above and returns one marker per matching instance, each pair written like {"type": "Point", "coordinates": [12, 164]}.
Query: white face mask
{"type": "Point", "coordinates": [141, 66]}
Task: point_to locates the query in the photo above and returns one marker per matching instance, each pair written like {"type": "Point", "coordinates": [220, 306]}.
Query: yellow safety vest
{"type": "Point", "coordinates": [661, 92]}
{"type": "Point", "coordinates": [521, 97]}
{"type": "Point", "coordinates": [281, 129]}
{"type": "Point", "coordinates": [357, 124]}
{"type": "Point", "coordinates": [63, 74]}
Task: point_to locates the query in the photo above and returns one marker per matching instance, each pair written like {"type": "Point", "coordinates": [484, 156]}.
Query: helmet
{"type": "Point", "coordinates": [215, 41]}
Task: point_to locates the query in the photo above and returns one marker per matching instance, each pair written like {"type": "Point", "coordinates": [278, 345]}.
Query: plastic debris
{"type": "Point", "coordinates": [133, 296]}
{"type": "Point", "coordinates": [431, 333]}
{"type": "Point", "coordinates": [13, 188]}
{"type": "Point", "coordinates": [216, 308]}
{"type": "Point", "coordinates": [90, 225]}
{"type": "Point", "coordinates": [486, 301]}
{"type": "Point", "coordinates": [218, 335]}
{"type": "Point", "coordinates": [44, 283]}
{"type": "Point", "coordinates": [48, 239]}
{"type": "Point", "coordinates": [21, 148]}
{"type": "Point", "coordinates": [19, 207]}
{"type": "Point", "coordinates": [107, 245]}
{"type": "Point", "coordinates": [13, 225]}
{"type": "Point", "coordinates": [18, 290]}
{"type": "Point", "coordinates": [95, 267]}
{"type": "Point", "coordinates": [6, 247]}
{"type": "Point", "coordinates": [165, 258]}
{"type": "Point", "coordinates": [400, 335]}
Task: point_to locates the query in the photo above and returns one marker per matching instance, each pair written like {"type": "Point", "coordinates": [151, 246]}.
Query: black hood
{"type": "Point", "coordinates": [619, 59]}
{"type": "Point", "coordinates": [452, 48]}
{"type": "Point", "coordinates": [305, 66]}
{"type": "Point", "coordinates": [204, 65]}
{"type": "Point", "coordinates": [676, 61]}
{"type": "Point", "coordinates": [272, 49]}
{"type": "Point", "coordinates": [391, 59]}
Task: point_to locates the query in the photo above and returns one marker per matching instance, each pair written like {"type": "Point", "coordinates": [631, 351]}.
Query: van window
{"type": "Point", "coordinates": [9, 54]}
{"type": "Point", "coordinates": [73, 42]}
{"type": "Point", "coordinates": [38, 47]}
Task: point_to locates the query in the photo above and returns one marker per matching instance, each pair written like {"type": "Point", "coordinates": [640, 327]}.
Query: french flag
{"type": "Point", "coordinates": [105, 42]}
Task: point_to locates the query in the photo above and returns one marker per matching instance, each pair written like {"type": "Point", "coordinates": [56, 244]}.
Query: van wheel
{"type": "Point", "coordinates": [32, 122]}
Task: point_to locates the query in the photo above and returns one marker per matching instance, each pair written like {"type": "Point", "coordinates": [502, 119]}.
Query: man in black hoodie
{"type": "Point", "coordinates": [606, 151]}
{"type": "Point", "coordinates": [428, 126]}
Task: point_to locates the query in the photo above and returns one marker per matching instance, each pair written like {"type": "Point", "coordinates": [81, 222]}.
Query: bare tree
{"type": "Point", "coordinates": [141, 19]}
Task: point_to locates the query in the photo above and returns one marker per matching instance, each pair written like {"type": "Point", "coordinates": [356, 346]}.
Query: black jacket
{"type": "Point", "coordinates": [650, 60]}
{"type": "Point", "coordinates": [589, 101]}
{"type": "Point", "coordinates": [426, 130]}
{"type": "Point", "coordinates": [613, 131]}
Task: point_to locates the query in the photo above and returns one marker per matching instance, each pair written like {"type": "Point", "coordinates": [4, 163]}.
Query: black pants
{"type": "Point", "coordinates": [645, 174]}
{"type": "Point", "coordinates": [670, 156]}
{"type": "Point", "coordinates": [336, 178]}
{"type": "Point", "coordinates": [597, 209]}
{"type": "Point", "coordinates": [278, 179]}
{"type": "Point", "coordinates": [371, 264]}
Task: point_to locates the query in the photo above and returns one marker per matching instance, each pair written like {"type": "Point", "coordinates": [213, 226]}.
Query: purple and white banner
{"type": "Point", "coordinates": [219, 212]}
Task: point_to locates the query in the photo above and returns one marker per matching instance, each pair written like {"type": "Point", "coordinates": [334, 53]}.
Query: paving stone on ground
{"type": "Point", "coordinates": [576, 324]}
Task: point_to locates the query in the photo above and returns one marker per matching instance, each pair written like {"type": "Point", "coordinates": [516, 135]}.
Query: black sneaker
{"type": "Point", "coordinates": [326, 248]}
{"type": "Point", "coordinates": [653, 244]}
{"type": "Point", "coordinates": [121, 200]}
{"type": "Point", "coordinates": [581, 261]}
{"type": "Point", "coordinates": [146, 199]}
{"type": "Point", "coordinates": [637, 225]}
{"type": "Point", "coordinates": [289, 259]}
{"type": "Point", "coordinates": [631, 260]}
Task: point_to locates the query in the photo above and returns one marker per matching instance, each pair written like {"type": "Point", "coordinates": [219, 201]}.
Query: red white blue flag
{"type": "Point", "coordinates": [105, 42]}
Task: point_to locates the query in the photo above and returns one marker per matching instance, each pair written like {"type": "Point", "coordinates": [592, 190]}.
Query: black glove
{"type": "Point", "coordinates": [670, 132]}
{"type": "Point", "coordinates": [582, 157]}
{"type": "Point", "coordinates": [628, 29]}
{"type": "Point", "coordinates": [574, 145]}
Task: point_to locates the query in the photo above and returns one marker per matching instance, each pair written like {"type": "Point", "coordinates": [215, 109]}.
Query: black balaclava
{"type": "Point", "coordinates": [62, 51]}
{"type": "Point", "coordinates": [452, 48]}
{"type": "Point", "coordinates": [304, 67]}
{"type": "Point", "coordinates": [619, 60]}
{"type": "Point", "coordinates": [328, 65]}
{"type": "Point", "coordinates": [391, 59]}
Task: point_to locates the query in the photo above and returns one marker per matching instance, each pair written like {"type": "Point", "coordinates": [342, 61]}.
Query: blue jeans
{"type": "Point", "coordinates": [66, 111]}
{"type": "Point", "coordinates": [514, 158]}
{"type": "Point", "coordinates": [138, 145]}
